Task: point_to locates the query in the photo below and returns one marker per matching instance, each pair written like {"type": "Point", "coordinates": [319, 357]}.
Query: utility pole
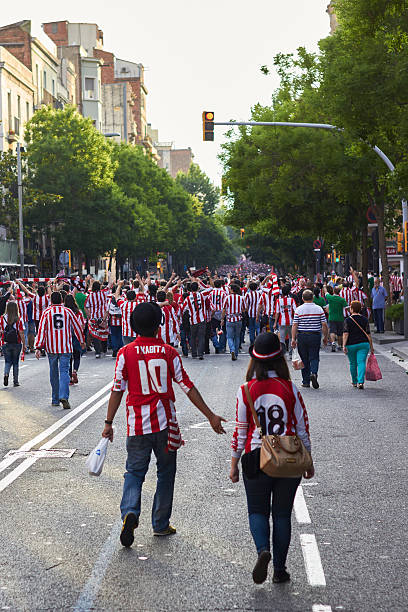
{"type": "Point", "coordinates": [20, 210]}
{"type": "Point", "coordinates": [405, 259]}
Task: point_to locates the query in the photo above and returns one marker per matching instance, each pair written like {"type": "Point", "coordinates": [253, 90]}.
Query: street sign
{"type": "Point", "coordinates": [371, 218]}
{"type": "Point", "coordinates": [317, 244]}
{"type": "Point", "coordinates": [317, 250]}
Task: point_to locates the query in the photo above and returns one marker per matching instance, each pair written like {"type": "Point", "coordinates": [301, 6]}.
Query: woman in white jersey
{"type": "Point", "coordinates": [281, 411]}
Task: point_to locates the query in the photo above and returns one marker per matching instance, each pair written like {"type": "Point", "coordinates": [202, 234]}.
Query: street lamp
{"type": "Point", "coordinates": [20, 209]}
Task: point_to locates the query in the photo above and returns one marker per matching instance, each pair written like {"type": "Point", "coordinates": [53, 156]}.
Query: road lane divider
{"type": "Point", "coordinates": [321, 608]}
{"type": "Point", "coordinates": [313, 562]}
{"type": "Point", "coordinates": [27, 463]}
{"type": "Point", "coordinates": [5, 463]}
{"type": "Point", "coordinates": [300, 507]}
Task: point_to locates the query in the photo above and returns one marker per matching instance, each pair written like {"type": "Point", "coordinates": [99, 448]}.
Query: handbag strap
{"type": "Point", "coordinates": [364, 332]}
{"type": "Point", "coordinates": [251, 405]}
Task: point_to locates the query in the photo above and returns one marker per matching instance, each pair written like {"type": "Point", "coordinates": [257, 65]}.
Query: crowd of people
{"type": "Point", "coordinates": [145, 321]}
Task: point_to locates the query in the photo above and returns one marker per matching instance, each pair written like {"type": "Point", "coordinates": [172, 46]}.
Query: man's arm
{"type": "Point", "coordinates": [113, 405]}
{"type": "Point", "coordinates": [24, 288]}
{"type": "Point", "coordinates": [294, 334]}
{"type": "Point", "coordinates": [325, 332]}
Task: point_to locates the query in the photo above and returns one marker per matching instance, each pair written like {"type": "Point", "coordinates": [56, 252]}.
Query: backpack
{"type": "Point", "coordinates": [10, 334]}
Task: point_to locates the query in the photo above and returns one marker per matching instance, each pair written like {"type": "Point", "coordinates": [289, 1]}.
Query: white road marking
{"type": "Point", "coordinates": [47, 432]}
{"type": "Point", "coordinates": [313, 563]}
{"type": "Point", "coordinates": [301, 511]}
{"type": "Point", "coordinates": [27, 463]}
{"type": "Point", "coordinates": [321, 608]}
{"type": "Point", "coordinates": [91, 588]}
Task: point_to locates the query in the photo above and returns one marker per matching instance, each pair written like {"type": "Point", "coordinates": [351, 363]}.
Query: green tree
{"type": "Point", "coordinates": [198, 184]}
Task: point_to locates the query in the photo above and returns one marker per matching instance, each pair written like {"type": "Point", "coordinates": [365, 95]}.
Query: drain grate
{"type": "Point", "coordinates": [59, 453]}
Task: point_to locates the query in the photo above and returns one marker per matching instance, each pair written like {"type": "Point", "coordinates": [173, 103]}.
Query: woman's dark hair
{"type": "Point", "coordinates": [316, 291]}
{"type": "Point", "coordinates": [261, 368]}
{"type": "Point", "coordinates": [96, 286]}
{"type": "Point", "coordinates": [70, 303]}
{"type": "Point", "coordinates": [63, 295]}
{"type": "Point", "coordinates": [286, 290]}
{"type": "Point", "coordinates": [12, 313]}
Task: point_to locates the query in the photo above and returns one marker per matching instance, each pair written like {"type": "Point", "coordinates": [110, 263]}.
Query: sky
{"type": "Point", "coordinates": [198, 54]}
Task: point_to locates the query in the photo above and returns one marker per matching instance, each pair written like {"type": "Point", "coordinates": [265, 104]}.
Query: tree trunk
{"type": "Point", "coordinates": [364, 257]}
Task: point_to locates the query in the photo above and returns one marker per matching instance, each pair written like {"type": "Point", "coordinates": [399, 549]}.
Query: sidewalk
{"type": "Point", "coordinates": [398, 344]}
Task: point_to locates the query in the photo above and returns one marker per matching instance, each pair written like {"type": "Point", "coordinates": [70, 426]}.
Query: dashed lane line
{"type": "Point", "coordinates": [27, 463]}
{"type": "Point", "coordinates": [300, 507]}
{"type": "Point", "coordinates": [311, 557]}
{"type": "Point", "coordinates": [321, 608]}
{"type": "Point", "coordinates": [47, 432]}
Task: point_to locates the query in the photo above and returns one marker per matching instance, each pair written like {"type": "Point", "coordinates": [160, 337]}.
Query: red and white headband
{"type": "Point", "coordinates": [269, 356]}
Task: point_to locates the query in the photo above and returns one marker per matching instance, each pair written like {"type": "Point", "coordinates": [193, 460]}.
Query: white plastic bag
{"type": "Point", "coordinates": [297, 363]}
{"type": "Point", "coordinates": [96, 458]}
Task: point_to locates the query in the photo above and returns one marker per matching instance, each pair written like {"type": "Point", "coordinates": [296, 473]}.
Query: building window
{"type": "Point", "coordinates": [45, 80]}
{"type": "Point", "coordinates": [89, 88]}
{"type": "Point", "coordinates": [54, 28]}
{"type": "Point", "coordinates": [19, 107]}
{"type": "Point", "coordinates": [53, 87]}
{"type": "Point", "coordinates": [10, 121]}
{"type": "Point", "coordinates": [27, 111]}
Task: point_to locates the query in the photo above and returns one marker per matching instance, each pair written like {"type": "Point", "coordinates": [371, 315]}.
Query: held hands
{"type": "Point", "coordinates": [216, 423]}
{"type": "Point", "coordinates": [234, 474]}
{"type": "Point", "coordinates": [309, 474]}
{"type": "Point", "coordinates": [108, 432]}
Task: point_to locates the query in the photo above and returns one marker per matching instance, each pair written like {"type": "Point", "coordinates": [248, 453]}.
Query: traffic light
{"type": "Point", "coordinates": [208, 125]}
{"type": "Point", "coordinates": [400, 240]}
{"type": "Point", "coordinates": [406, 236]}
{"type": "Point", "coordinates": [338, 257]}
{"type": "Point", "coordinates": [242, 232]}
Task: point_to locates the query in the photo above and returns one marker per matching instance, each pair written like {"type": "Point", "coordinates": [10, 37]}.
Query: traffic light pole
{"type": "Point", "coordinates": [381, 155]}
{"type": "Point", "coordinates": [20, 210]}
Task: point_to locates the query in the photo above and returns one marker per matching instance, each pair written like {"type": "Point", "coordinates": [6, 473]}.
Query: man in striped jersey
{"type": "Point", "coordinates": [284, 312]}
{"type": "Point", "coordinates": [266, 306]}
{"type": "Point", "coordinates": [308, 323]}
{"type": "Point", "coordinates": [55, 330]}
{"type": "Point", "coordinates": [126, 306]}
{"type": "Point", "coordinates": [96, 309]}
{"type": "Point", "coordinates": [147, 368]}
{"type": "Point", "coordinates": [169, 328]}
{"type": "Point", "coordinates": [232, 309]}
{"type": "Point", "coordinates": [217, 298]}
{"type": "Point", "coordinates": [251, 300]}
{"type": "Point", "coordinates": [194, 304]}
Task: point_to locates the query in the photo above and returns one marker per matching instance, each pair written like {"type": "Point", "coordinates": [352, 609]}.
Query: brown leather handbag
{"type": "Point", "coordinates": [281, 456]}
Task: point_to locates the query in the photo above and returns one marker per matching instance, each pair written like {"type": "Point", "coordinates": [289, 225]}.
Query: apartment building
{"type": "Point", "coordinates": [174, 160]}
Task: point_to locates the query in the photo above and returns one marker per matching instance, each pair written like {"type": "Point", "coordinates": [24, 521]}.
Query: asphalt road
{"type": "Point", "coordinates": [59, 526]}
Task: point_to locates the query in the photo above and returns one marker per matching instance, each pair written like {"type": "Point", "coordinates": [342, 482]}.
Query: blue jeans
{"type": "Point", "coordinates": [139, 450]}
{"type": "Point", "coordinates": [234, 336]}
{"type": "Point", "coordinates": [116, 337]}
{"type": "Point", "coordinates": [309, 347]}
{"type": "Point", "coordinates": [11, 354]}
{"type": "Point", "coordinates": [254, 328]}
{"type": "Point", "coordinates": [59, 375]}
{"type": "Point", "coordinates": [259, 491]}
{"type": "Point", "coordinates": [183, 341]}
{"type": "Point", "coordinates": [378, 314]}
{"type": "Point", "coordinates": [222, 338]}
{"type": "Point", "coordinates": [357, 356]}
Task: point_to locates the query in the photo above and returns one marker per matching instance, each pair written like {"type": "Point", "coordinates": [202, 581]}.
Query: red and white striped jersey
{"type": "Point", "coordinates": [22, 308]}
{"type": "Point", "coordinates": [280, 411]}
{"type": "Point", "coordinates": [396, 283]}
{"type": "Point", "coordinates": [347, 294]}
{"type": "Point", "coordinates": [169, 327]}
{"type": "Point", "coordinates": [55, 330]}
{"type": "Point", "coordinates": [217, 297]}
{"type": "Point", "coordinates": [148, 367]}
{"type": "Point", "coordinates": [285, 307]}
{"type": "Point", "coordinates": [81, 320]}
{"type": "Point", "coordinates": [97, 303]}
{"type": "Point", "coordinates": [358, 295]}
{"type": "Point", "coordinates": [234, 306]}
{"type": "Point", "coordinates": [115, 314]}
{"type": "Point", "coordinates": [127, 308]}
{"type": "Point", "coordinates": [252, 301]}
{"type": "Point", "coordinates": [267, 303]}
{"type": "Point", "coordinates": [140, 297]}
{"type": "Point", "coordinates": [17, 326]}
{"type": "Point", "coordinates": [40, 303]}
{"type": "Point", "coordinates": [195, 305]}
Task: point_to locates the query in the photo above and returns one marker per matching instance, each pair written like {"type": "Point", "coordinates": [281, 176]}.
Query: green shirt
{"type": "Point", "coordinates": [371, 283]}
{"type": "Point", "coordinates": [319, 301]}
{"type": "Point", "coordinates": [336, 305]}
{"type": "Point", "coordinates": [80, 299]}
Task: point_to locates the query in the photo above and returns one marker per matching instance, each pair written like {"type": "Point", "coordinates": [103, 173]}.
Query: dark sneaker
{"type": "Point", "coordinates": [280, 576]}
{"type": "Point", "coordinates": [65, 404]}
{"type": "Point", "coordinates": [233, 356]}
{"type": "Point", "coordinates": [130, 522]}
{"type": "Point", "coordinates": [201, 357]}
{"type": "Point", "coordinates": [74, 377]}
{"type": "Point", "coordinates": [5, 381]}
{"type": "Point", "coordinates": [360, 386]}
{"type": "Point", "coordinates": [97, 356]}
{"type": "Point", "coordinates": [333, 349]}
{"type": "Point", "coordinates": [313, 380]}
{"type": "Point", "coordinates": [217, 351]}
{"type": "Point", "coordinates": [305, 386]}
{"type": "Point", "coordinates": [16, 383]}
{"type": "Point", "coordinates": [260, 571]}
{"type": "Point", "coordinates": [166, 532]}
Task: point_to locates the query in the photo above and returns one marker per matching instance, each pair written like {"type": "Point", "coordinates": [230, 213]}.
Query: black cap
{"type": "Point", "coordinates": [146, 318]}
{"type": "Point", "coordinates": [266, 346]}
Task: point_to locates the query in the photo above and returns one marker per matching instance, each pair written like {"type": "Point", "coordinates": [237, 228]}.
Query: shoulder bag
{"type": "Point", "coordinates": [280, 456]}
